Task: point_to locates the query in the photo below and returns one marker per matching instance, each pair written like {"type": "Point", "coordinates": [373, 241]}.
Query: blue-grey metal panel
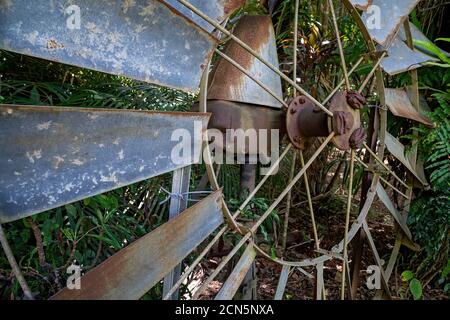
{"type": "Point", "coordinates": [418, 35]}
{"type": "Point", "coordinates": [385, 18]}
{"type": "Point", "coordinates": [218, 10]}
{"type": "Point", "coordinates": [51, 156]}
{"type": "Point", "coordinates": [140, 39]}
{"type": "Point", "coordinates": [131, 272]}
{"type": "Point", "coordinates": [401, 58]}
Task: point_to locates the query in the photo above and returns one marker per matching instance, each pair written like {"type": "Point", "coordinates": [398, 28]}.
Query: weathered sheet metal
{"type": "Point", "coordinates": [384, 22]}
{"type": "Point", "coordinates": [231, 286]}
{"type": "Point", "coordinates": [281, 287]}
{"type": "Point", "coordinates": [418, 35]}
{"type": "Point", "coordinates": [382, 194]}
{"type": "Point", "coordinates": [131, 272]}
{"type": "Point", "coordinates": [361, 4]}
{"type": "Point", "coordinates": [140, 39]}
{"type": "Point", "coordinates": [218, 10]}
{"type": "Point", "coordinates": [51, 156]}
{"type": "Point", "coordinates": [397, 149]}
{"type": "Point", "coordinates": [401, 58]}
{"type": "Point", "coordinates": [398, 102]}
{"type": "Point", "coordinates": [230, 84]}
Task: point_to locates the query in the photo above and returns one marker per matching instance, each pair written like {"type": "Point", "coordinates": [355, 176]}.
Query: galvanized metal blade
{"type": "Point", "coordinates": [144, 40]}
{"type": "Point", "coordinates": [401, 58]}
{"type": "Point", "coordinates": [400, 105]}
{"type": "Point", "coordinates": [231, 286]}
{"type": "Point", "coordinates": [131, 272]}
{"type": "Point", "coordinates": [218, 10]}
{"type": "Point", "coordinates": [397, 149]}
{"type": "Point", "coordinates": [384, 197]}
{"type": "Point", "coordinates": [418, 35]}
{"type": "Point", "coordinates": [385, 20]}
{"type": "Point", "coordinates": [51, 156]}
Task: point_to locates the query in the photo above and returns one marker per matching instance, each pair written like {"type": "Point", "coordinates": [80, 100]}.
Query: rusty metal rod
{"type": "Point", "coordinates": [341, 49]}
{"type": "Point", "coordinates": [383, 179]}
{"type": "Point", "coordinates": [226, 228]}
{"type": "Point", "coordinates": [371, 73]}
{"type": "Point", "coordinates": [14, 266]}
{"type": "Point", "coordinates": [254, 53]}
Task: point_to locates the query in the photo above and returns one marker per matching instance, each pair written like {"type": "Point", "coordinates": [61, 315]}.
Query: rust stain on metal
{"type": "Point", "coordinates": [235, 115]}
{"type": "Point", "coordinates": [229, 83]}
{"type": "Point", "coordinates": [398, 102]}
{"type": "Point", "coordinates": [131, 272]}
{"type": "Point", "coordinates": [230, 6]}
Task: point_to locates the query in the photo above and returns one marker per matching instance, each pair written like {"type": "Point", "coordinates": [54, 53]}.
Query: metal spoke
{"type": "Point", "coordinates": [226, 228]}
{"type": "Point", "coordinates": [361, 59]}
{"type": "Point", "coordinates": [254, 53]}
{"type": "Point", "coordinates": [341, 49]}
{"type": "Point", "coordinates": [295, 44]}
{"type": "Point", "coordinates": [263, 217]}
{"type": "Point", "coordinates": [384, 165]}
{"type": "Point", "coordinates": [14, 266]}
{"type": "Point", "coordinates": [311, 209]}
{"type": "Point", "coordinates": [288, 205]}
{"type": "Point", "coordinates": [347, 221]}
{"type": "Point", "coordinates": [371, 73]}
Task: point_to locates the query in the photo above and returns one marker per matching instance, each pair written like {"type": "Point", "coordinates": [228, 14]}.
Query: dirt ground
{"type": "Point", "coordinates": [301, 285]}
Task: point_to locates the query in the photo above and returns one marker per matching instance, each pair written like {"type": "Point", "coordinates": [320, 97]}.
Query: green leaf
{"type": "Point", "coordinates": [443, 39]}
{"type": "Point", "coordinates": [416, 288]}
{"type": "Point", "coordinates": [71, 210]}
{"type": "Point", "coordinates": [407, 275]}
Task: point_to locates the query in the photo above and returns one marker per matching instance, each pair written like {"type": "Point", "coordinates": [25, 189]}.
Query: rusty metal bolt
{"type": "Point", "coordinates": [357, 138]}
{"type": "Point", "coordinates": [355, 99]}
{"type": "Point", "coordinates": [301, 100]}
{"type": "Point", "coordinates": [292, 111]}
{"type": "Point", "coordinates": [342, 122]}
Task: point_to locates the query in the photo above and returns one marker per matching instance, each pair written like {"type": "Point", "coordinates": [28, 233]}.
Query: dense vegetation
{"type": "Point", "coordinates": [91, 230]}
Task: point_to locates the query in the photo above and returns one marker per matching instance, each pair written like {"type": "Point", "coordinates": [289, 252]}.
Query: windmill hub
{"type": "Point", "coordinates": [304, 120]}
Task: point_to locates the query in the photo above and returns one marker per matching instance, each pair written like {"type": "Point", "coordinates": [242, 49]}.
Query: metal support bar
{"type": "Point", "coordinates": [14, 266]}
{"type": "Point", "coordinates": [180, 186]}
